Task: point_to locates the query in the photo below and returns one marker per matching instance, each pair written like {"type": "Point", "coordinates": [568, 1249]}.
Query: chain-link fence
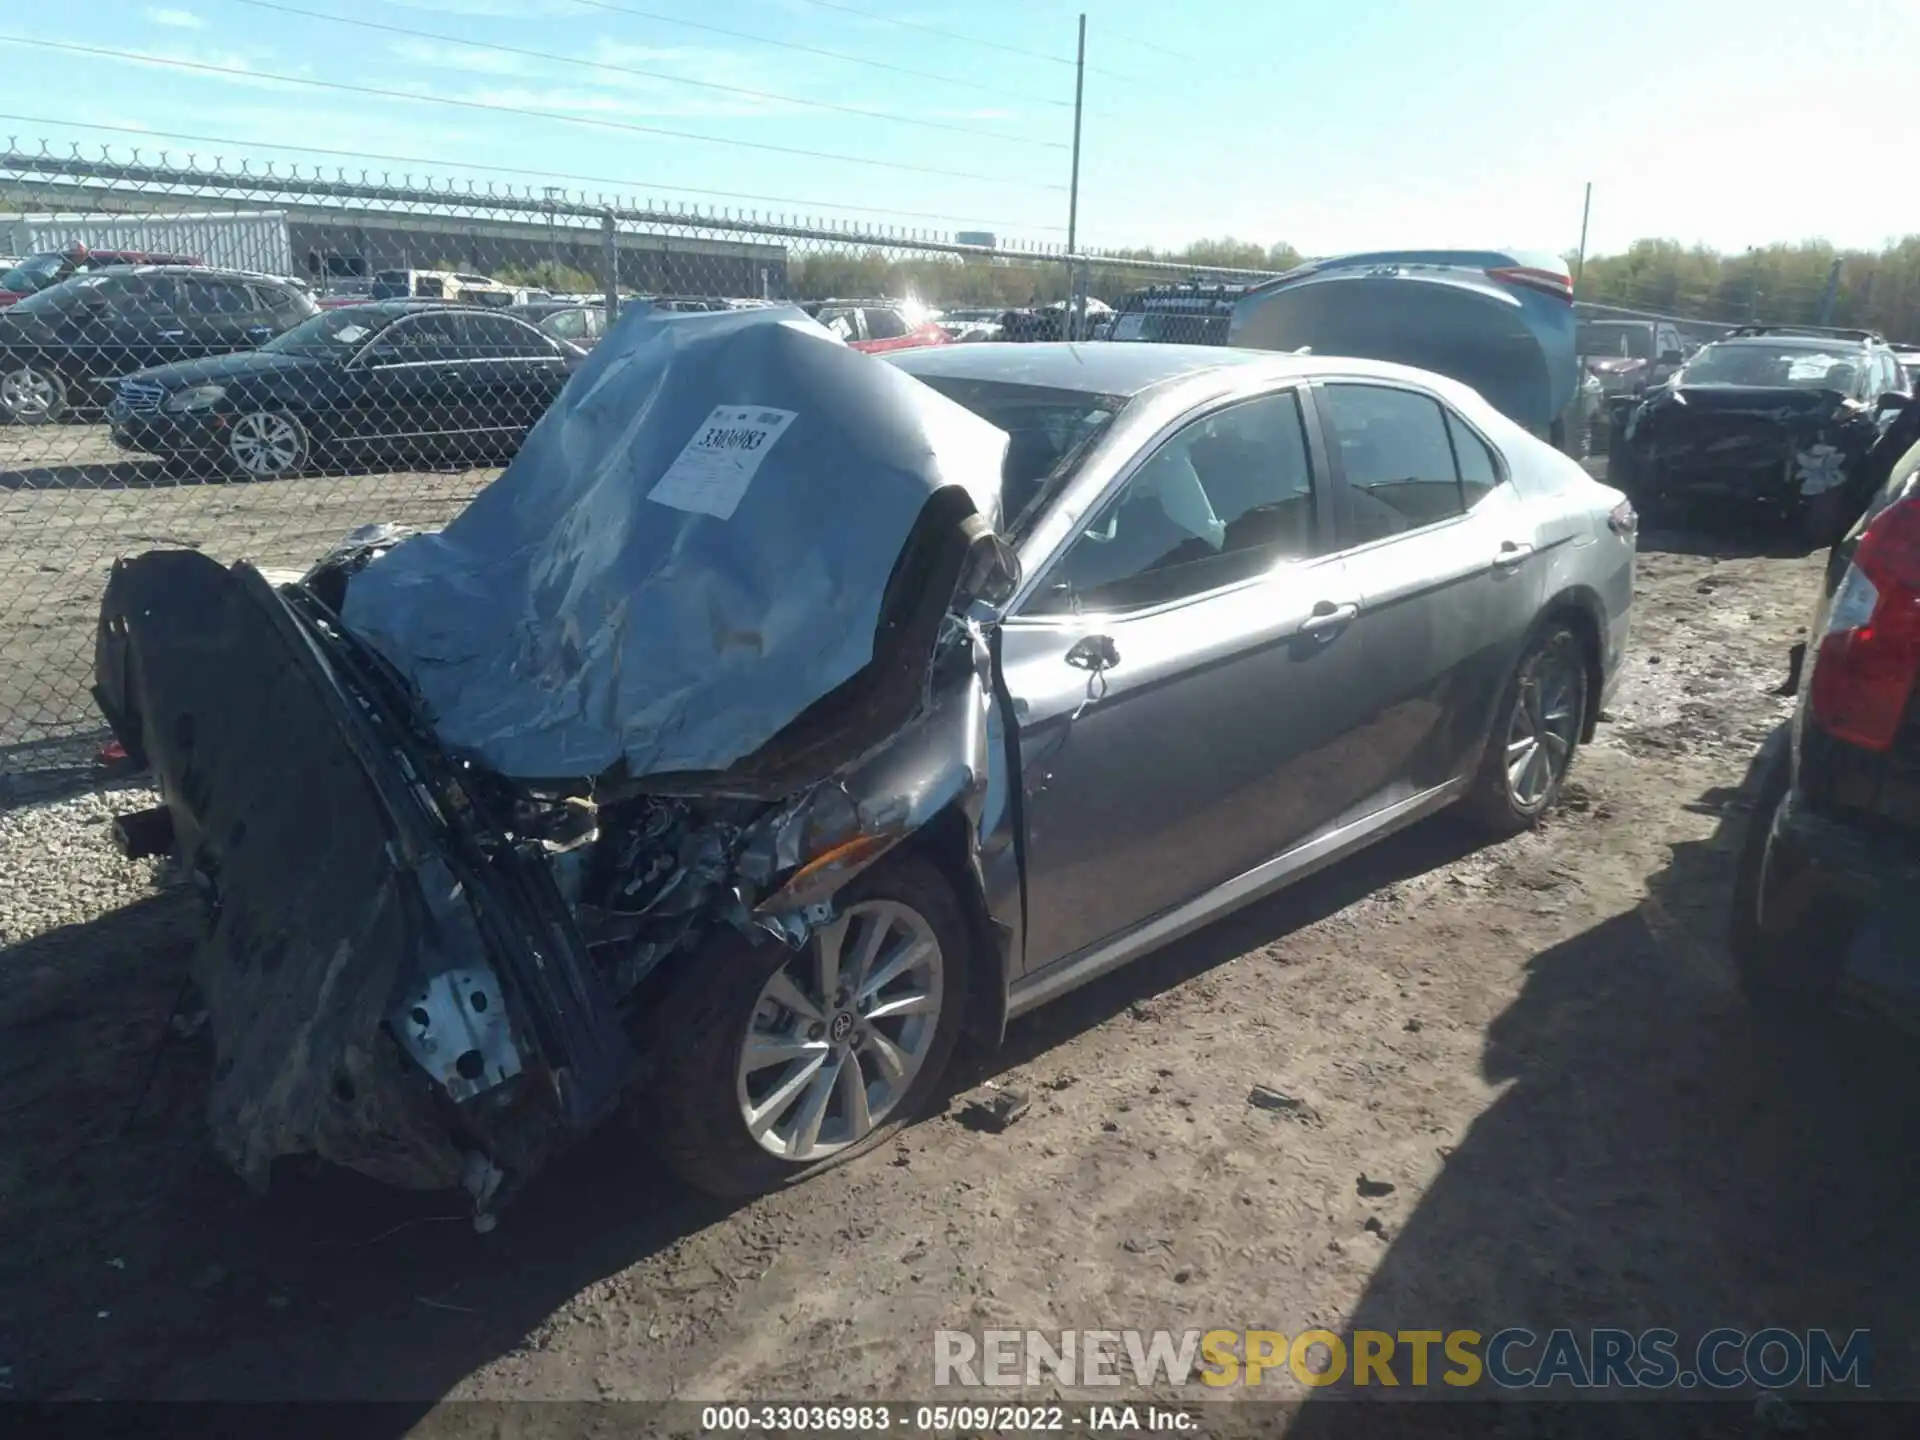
{"type": "Point", "coordinates": [254, 362]}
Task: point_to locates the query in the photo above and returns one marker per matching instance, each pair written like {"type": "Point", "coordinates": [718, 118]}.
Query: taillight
{"type": "Point", "coordinates": [1623, 519]}
{"type": "Point", "coordinates": [1549, 282]}
{"type": "Point", "coordinates": [1870, 654]}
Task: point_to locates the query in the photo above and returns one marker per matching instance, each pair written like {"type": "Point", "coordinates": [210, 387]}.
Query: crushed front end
{"type": "Point", "coordinates": [433, 966]}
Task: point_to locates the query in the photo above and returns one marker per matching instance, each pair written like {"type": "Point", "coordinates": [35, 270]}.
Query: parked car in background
{"type": "Point", "coordinates": [1779, 420]}
{"type": "Point", "coordinates": [42, 272]}
{"type": "Point", "coordinates": [877, 326]}
{"type": "Point", "coordinates": [1629, 355]}
{"type": "Point", "coordinates": [1826, 899]}
{"type": "Point", "coordinates": [581, 325]}
{"type": "Point", "coordinates": [970, 326]}
{"type": "Point", "coordinates": [454, 285]}
{"type": "Point", "coordinates": [765, 884]}
{"type": "Point", "coordinates": [1500, 321]}
{"type": "Point", "coordinates": [65, 348]}
{"type": "Point", "coordinates": [395, 380]}
{"type": "Point", "coordinates": [1183, 314]}
{"type": "Point", "coordinates": [1910, 363]}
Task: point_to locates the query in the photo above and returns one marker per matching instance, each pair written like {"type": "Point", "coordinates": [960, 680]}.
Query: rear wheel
{"type": "Point", "coordinates": [1535, 733]}
{"type": "Point", "coordinates": [32, 394]}
{"type": "Point", "coordinates": [778, 1063]}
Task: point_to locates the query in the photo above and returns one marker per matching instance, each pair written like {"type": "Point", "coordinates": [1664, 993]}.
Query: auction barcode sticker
{"type": "Point", "coordinates": [712, 473]}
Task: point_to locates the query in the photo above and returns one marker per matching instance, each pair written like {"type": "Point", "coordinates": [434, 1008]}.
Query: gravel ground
{"type": "Point", "coordinates": [70, 504]}
{"type": "Point", "coordinates": [1536, 1044]}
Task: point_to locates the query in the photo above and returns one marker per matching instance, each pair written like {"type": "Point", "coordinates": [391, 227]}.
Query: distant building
{"type": "Point", "coordinates": [983, 238]}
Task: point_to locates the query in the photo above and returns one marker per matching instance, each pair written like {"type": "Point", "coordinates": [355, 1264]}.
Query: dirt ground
{"type": "Point", "coordinates": [1536, 1044]}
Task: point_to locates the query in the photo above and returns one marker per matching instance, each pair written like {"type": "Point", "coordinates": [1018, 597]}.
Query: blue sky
{"type": "Point", "coordinates": [1332, 124]}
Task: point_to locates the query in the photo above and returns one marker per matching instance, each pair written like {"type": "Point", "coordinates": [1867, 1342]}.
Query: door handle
{"type": "Point", "coordinates": [1511, 553]}
{"type": "Point", "coordinates": [1093, 652]}
{"type": "Point", "coordinates": [1328, 620]}
{"type": "Point", "coordinates": [173, 334]}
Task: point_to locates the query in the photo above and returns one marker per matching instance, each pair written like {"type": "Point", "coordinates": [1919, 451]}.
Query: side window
{"type": "Point", "coordinates": [1226, 498]}
{"type": "Point", "coordinates": [421, 339]}
{"type": "Point", "coordinates": [1399, 465]}
{"type": "Point", "coordinates": [1478, 471]}
{"type": "Point", "coordinates": [217, 297]}
{"type": "Point", "coordinates": [274, 301]}
{"type": "Point", "coordinates": [884, 324]}
{"type": "Point", "coordinates": [844, 323]}
{"type": "Point", "coordinates": [497, 337]}
{"type": "Point", "coordinates": [568, 324]}
{"type": "Point", "coordinates": [153, 295]}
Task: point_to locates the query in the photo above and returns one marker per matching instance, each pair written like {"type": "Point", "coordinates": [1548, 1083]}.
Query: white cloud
{"type": "Point", "coordinates": [436, 56]}
{"type": "Point", "coordinates": [176, 19]}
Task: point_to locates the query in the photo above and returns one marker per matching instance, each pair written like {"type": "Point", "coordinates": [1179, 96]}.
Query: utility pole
{"type": "Point", "coordinates": [553, 192]}
{"type": "Point", "coordinates": [1580, 259]}
{"type": "Point", "coordinates": [1075, 307]}
{"type": "Point", "coordinates": [1832, 294]}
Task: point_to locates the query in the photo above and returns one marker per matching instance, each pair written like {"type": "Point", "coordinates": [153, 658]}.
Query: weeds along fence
{"type": "Point", "coordinates": [352, 416]}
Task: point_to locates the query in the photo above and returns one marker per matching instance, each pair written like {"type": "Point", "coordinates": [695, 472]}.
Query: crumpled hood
{"type": "Point", "coordinates": [1782, 402]}
{"type": "Point", "coordinates": [694, 547]}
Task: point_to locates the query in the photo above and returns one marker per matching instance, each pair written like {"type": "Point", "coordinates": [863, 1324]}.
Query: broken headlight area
{"type": "Point", "coordinates": [427, 960]}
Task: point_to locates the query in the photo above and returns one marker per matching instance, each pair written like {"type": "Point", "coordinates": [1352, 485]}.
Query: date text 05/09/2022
{"type": "Point", "coordinates": [881, 1418]}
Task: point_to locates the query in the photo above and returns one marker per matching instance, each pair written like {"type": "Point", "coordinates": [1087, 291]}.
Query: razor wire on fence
{"type": "Point", "coordinates": [254, 361]}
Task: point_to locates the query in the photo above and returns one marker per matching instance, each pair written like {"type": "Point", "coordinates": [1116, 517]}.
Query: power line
{"type": "Point", "coordinates": [936, 30]}
{"type": "Point", "coordinates": [652, 75]}
{"type": "Point", "coordinates": [965, 39]}
{"type": "Point", "coordinates": [592, 122]}
{"type": "Point", "coordinates": [632, 186]}
{"type": "Point", "coordinates": [794, 45]}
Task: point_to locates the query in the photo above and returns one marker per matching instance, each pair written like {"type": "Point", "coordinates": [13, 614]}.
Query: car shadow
{"type": "Point", "coordinates": [1659, 1157]}
{"type": "Point", "coordinates": [93, 475]}
{"type": "Point", "coordinates": [134, 1265]}
{"type": "Point", "coordinates": [1745, 540]}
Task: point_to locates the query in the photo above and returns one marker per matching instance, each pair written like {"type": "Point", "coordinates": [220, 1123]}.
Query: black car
{"type": "Point", "coordinates": [1827, 893]}
{"type": "Point", "coordinates": [363, 384]}
{"type": "Point", "coordinates": [1186, 314]}
{"type": "Point", "coordinates": [1770, 419]}
{"type": "Point", "coordinates": [66, 347]}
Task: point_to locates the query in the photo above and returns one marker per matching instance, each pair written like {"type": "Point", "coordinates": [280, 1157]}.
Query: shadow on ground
{"type": "Point", "coordinates": [1661, 1159]}
{"type": "Point", "coordinates": [133, 1264]}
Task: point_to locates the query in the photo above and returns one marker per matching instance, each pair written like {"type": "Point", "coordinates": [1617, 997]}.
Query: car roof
{"type": "Point", "coordinates": [1103, 369]}
{"type": "Point", "coordinates": [1797, 342]}
{"type": "Point", "coordinates": [199, 272]}
{"type": "Point", "coordinates": [397, 308]}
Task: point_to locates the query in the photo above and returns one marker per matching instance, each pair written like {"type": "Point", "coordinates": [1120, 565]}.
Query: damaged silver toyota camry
{"type": "Point", "coordinates": [784, 713]}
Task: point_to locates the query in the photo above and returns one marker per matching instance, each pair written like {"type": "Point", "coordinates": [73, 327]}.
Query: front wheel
{"type": "Point", "coordinates": [777, 1063]}
{"type": "Point", "coordinates": [32, 394]}
{"type": "Point", "coordinates": [267, 445]}
{"type": "Point", "coordinates": [1535, 733]}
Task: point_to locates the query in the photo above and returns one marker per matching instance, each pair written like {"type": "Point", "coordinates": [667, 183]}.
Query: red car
{"type": "Point", "coordinates": [38, 272]}
{"type": "Point", "coordinates": [876, 325]}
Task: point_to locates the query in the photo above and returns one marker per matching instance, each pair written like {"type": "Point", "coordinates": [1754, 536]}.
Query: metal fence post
{"type": "Point", "coordinates": [610, 263]}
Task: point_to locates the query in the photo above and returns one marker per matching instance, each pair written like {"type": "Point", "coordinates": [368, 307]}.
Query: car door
{"type": "Point", "coordinates": [219, 316]}
{"type": "Point", "coordinates": [516, 374]}
{"type": "Point", "coordinates": [1178, 677]}
{"type": "Point", "coordinates": [416, 397]}
{"type": "Point", "coordinates": [1443, 555]}
{"type": "Point", "coordinates": [126, 322]}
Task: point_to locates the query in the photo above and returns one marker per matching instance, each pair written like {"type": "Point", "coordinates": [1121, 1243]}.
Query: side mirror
{"type": "Point", "coordinates": [1672, 357]}
{"type": "Point", "coordinates": [1896, 402]}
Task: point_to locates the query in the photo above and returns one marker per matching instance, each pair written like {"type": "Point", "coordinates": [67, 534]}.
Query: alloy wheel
{"type": "Point", "coordinates": [839, 1033]}
{"type": "Point", "coordinates": [266, 445]}
{"type": "Point", "coordinates": [1545, 724]}
{"type": "Point", "coordinates": [29, 396]}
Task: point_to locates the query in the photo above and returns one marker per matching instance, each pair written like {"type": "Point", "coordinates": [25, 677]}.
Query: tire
{"type": "Point", "coordinates": [32, 394]}
{"type": "Point", "coordinates": [1772, 969]}
{"type": "Point", "coordinates": [266, 445]}
{"type": "Point", "coordinates": [1544, 708]}
{"type": "Point", "coordinates": [698, 1106]}
{"type": "Point", "coordinates": [1827, 519]}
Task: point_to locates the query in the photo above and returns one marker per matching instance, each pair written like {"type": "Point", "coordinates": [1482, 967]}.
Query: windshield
{"type": "Point", "coordinates": [1048, 433]}
{"type": "Point", "coordinates": [332, 332]}
{"type": "Point", "coordinates": [30, 276]}
{"type": "Point", "coordinates": [1603, 341]}
{"type": "Point", "coordinates": [1776, 367]}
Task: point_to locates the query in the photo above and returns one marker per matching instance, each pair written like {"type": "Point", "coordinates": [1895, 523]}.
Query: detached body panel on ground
{"type": "Point", "coordinates": [782, 712]}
